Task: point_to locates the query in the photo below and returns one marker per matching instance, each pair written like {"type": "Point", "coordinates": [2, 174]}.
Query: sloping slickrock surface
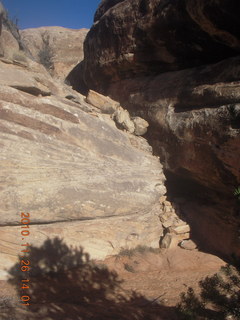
{"type": "Point", "coordinates": [78, 176]}
{"type": "Point", "coordinates": [62, 48]}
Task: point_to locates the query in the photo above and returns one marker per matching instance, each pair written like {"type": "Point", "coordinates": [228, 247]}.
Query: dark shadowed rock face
{"type": "Point", "coordinates": [176, 64]}
{"type": "Point", "coordinates": [104, 6]}
{"type": "Point", "coordinates": [139, 37]}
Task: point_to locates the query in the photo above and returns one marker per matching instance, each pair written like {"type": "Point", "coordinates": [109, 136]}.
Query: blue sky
{"type": "Point", "coordinates": [74, 14]}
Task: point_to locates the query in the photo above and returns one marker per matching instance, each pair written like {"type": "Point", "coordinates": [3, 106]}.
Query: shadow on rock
{"type": "Point", "coordinates": [65, 284]}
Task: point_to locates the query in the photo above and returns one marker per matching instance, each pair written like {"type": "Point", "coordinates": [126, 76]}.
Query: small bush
{"type": "Point", "coordinates": [128, 268]}
{"type": "Point", "coordinates": [219, 297]}
{"type": "Point", "coordinates": [19, 56]}
{"type": "Point", "coordinates": [11, 24]}
{"type": "Point", "coordinates": [45, 55]}
{"type": "Point", "coordinates": [139, 249]}
{"type": "Point", "coordinates": [237, 192]}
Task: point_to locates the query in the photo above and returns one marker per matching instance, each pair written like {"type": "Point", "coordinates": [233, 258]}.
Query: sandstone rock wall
{"type": "Point", "coordinates": [142, 37]}
{"type": "Point", "coordinates": [176, 64]}
{"type": "Point", "coordinates": [58, 48]}
{"type": "Point", "coordinates": [68, 165]}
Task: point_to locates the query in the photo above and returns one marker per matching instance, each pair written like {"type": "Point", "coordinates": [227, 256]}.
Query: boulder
{"type": "Point", "coordinates": [141, 126]}
{"type": "Point", "coordinates": [103, 103]}
{"type": "Point", "coordinates": [188, 244]}
{"type": "Point", "coordinates": [122, 119]}
{"type": "Point", "coordinates": [180, 229]}
{"type": "Point", "coordinates": [165, 242]}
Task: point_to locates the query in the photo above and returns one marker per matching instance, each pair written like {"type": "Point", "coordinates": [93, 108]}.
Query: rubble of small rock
{"type": "Point", "coordinates": [175, 230]}
{"type": "Point", "coordinates": [121, 116]}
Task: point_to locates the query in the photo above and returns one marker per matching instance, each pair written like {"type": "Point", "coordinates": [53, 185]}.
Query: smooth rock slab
{"type": "Point", "coordinates": [99, 237]}
{"type": "Point", "coordinates": [18, 78]}
{"type": "Point", "coordinates": [78, 176]}
{"type": "Point", "coordinates": [61, 164]}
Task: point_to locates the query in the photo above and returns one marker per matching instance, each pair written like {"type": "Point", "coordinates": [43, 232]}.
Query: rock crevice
{"type": "Point", "coordinates": [176, 65]}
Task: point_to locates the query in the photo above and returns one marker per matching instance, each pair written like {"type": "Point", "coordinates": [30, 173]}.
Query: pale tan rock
{"type": "Point", "coordinates": [61, 144]}
{"type": "Point", "coordinates": [122, 118]}
{"type": "Point", "coordinates": [66, 46]}
{"type": "Point", "coordinates": [168, 223]}
{"type": "Point", "coordinates": [72, 170]}
{"type": "Point", "coordinates": [164, 217]}
{"type": "Point", "coordinates": [165, 243]}
{"type": "Point", "coordinates": [162, 199]}
{"type": "Point", "coordinates": [171, 241]}
{"type": "Point", "coordinates": [188, 244]}
{"type": "Point", "coordinates": [105, 104]}
{"type": "Point", "coordinates": [167, 209]}
{"type": "Point", "coordinates": [141, 126]}
{"type": "Point", "coordinates": [99, 237]}
{"type": "Point", "coordinates": [167, 203]}
{"type": "Point", "coordinates": [10, 44]}
{"type": "Point", "coordinates": [181, 229]}
{"type": "Point", "coordinates": [20, 79]}
{"type": "Point", "coordinates": [161, 188]}
{"type": "Point", "coordinates": [140, 143]}
{"type": "Point", "coordinates": [178, 222]}
{"type": "Point", "coordinates": [177, 238]}
{"type": "Point", "coordinates": [78, 176]}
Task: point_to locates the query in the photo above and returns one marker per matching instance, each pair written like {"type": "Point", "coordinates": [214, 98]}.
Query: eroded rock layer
{"type": "Point", "coordinates": [65, 163]}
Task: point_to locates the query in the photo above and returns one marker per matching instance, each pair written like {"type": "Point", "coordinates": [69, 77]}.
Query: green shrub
{"type": "Point", "coordinates": [219, 297]}
{"type": "Point", "coordinates": [45, 55]}
{"type": "Point", "coordinates": [237, 192]}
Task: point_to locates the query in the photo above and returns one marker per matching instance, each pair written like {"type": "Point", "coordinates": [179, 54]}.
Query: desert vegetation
{"type": "Point", "coordinates": [139, 249]}
{"type": "Point", "coordinates": [71, 286]}
{"type": "Point", "coordinates": [45, 54]}
{"type": "Point", "coordinates": [219, 297]}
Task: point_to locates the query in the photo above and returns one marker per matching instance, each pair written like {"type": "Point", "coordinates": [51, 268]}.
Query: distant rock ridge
{"type": "Point", "coordinates": [58, 49]}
